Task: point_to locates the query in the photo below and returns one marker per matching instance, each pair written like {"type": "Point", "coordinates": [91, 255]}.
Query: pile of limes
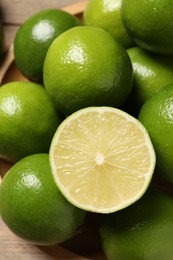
{"type": "Point", "coordinates": [87, 129]}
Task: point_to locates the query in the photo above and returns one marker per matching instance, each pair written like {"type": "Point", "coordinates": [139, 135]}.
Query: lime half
{"type": "Point", "coordinates": [102, 159]}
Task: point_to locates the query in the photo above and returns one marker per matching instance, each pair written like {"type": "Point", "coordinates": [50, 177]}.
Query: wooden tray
{"type": "Point", "coordinates": [86, 244]}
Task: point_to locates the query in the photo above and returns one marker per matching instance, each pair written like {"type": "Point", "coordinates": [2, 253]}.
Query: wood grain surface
{"type": "Point", "coordinates": [85, 245]}
{"type": "Point", "coordinates": [15, 12]}
{"type": "Point", "coordinates": [14, 248]}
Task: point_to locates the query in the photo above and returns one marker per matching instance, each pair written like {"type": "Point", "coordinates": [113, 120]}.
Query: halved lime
{"type": "Point", "coordinates": [102, 159]}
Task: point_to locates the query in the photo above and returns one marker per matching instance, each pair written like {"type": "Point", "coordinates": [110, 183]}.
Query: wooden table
{"type": "Point", "coordinates": [13, 14]}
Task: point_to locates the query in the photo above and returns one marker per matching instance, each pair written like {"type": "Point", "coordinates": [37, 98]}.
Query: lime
{"type": "Point", "coordinates": [151, 72]}
{"type": "Point", "coordinates": [156, 116]}
{"type": "Point", "coordinates": [85, 67]}
{"type": "Point", "coordinates": [149, 23]}
{"type": "Point", "coordinates": [34, 37]}
{"type": "Point", "coordinates": [106, 14]}
{"type": "Point", "coordinates": [142, 231]}
{"type": "Point", "coordinates": [32, 206]}
{"type": "Point", "coordinates": [102, 166]}
{"type": "Point", "coordinates": [28, 120]}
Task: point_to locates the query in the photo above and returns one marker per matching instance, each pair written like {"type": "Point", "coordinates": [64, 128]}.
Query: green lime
{"type": "Point", "coordinates": [157, 116]}
{"type": "Point", "coordinates": [151, 72]}
{"type": "Point", "coordinates": [149, 23]}
{"type": "Point", "coordinates": [34, 37]}
{"type": "Point", "coordinates": [85, 67]}
{"type": "Point", "coordinates": [143, 231]}
{"type": "Point", "coordinates": [32, 206]}
{"type": "Point", "coordinates": [107, 15]}
{"type": "Point", "coordinates": [28, 120]}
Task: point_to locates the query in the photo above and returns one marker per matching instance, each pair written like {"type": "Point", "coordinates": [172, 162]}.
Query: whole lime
{"type": "Point", "coordinates": [143, 231]}
{"type": "Point", "coordinates": [32, 206]}
{"type": "Point", "coordinates": [107, 15]}
{"type": "Point", "coordinates": [85, 67]}
{"type": "Point", "coordinates": [151, 73]}
{"type": "Point", "coordinates": [157, 116]}
{"type": "Point", "coordinates": [34, 37]}
{"type": "Point", "coordinates": [149, 23]}
{"type": "Point", "coordinates": [28, 120]}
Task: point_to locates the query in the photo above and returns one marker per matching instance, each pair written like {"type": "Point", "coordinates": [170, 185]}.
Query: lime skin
{"type": "Point", "coordinates": [32, 206]}
{"type": "Point", "coordinates": [85, 67]}
{"type": "Point", "coordinates": [149, 23]}
{"type": "Point", "coordinates": [143, 231]}
{"type": "Point", "coordinates": [34, 37]}
{"type": "Point", "coordinates": [107, 15]}
{"type": "Point", "coordinates": [151, 72]}
{"type": "Point", "coordinates": [28, 120]}
{"type": "Point", "coordinates": [156, 116]}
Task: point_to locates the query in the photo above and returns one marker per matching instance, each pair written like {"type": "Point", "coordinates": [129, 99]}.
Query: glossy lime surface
{"type": "Point", "coordinates": [151, 73]}
{"type": "Point", "coordinates": [107, 15]}
{"type": "Point", "coordinates": [28, 120]}
{"type": "Point", "coordinates": [157, 116]}
{"type": "Point", "coordinates": [149, 23]}
{"type": "Point", "coordinates": [34, 38]}
{"type": "Point", "coordinates": [32, 206]}
{"type": "Point", "coordinates": [84, 67]}
{"type": "Point", "coordinates": [143, 231]}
